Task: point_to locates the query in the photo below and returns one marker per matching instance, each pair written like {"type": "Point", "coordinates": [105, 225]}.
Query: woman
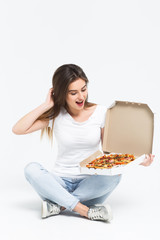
{"type": "Point", "coordinates": [78, 126]}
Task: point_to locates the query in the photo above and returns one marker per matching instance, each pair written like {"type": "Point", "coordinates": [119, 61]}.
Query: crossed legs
{"type": "Point", "coordinates": [87, 191]}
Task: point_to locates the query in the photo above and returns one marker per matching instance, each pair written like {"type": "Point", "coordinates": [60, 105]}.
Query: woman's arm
{"type": "Point", "coordinates": [28, 123]}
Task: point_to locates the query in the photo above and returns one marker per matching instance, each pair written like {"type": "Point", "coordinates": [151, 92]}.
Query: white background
{"type": "Point", "coordinates": [117, 45]}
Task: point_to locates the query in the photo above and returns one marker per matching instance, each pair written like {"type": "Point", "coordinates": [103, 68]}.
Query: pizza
{"type": "Point", "coordinates": [112, 160]}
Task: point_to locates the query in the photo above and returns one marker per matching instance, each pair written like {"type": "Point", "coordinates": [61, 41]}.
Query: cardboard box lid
{"type": "Point", "coordinates": [128, 128]}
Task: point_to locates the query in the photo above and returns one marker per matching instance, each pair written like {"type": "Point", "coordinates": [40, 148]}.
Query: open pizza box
{"type": "Point", "coordinates": [128, 129]}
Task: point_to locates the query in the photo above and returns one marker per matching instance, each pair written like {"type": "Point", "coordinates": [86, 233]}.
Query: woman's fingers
{"type": "Point", "coordinates": [148, 160]}
{"type": "Point", "coordinates": [49, 100]}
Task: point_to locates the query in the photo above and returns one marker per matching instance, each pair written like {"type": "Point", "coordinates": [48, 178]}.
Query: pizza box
{"type": "Point", "coordinates": [129, 128]}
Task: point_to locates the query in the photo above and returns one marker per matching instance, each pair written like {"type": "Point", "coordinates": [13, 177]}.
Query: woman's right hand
{"type": "Point", "coordinates": [49, 99]}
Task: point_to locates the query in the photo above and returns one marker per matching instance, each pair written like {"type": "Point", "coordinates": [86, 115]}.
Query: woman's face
{"type": "Point", "coordinates": [76, 95]}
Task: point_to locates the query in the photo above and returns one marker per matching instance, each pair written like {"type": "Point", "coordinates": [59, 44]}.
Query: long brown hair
{"type": "Point", "coordinates": [61, 79]}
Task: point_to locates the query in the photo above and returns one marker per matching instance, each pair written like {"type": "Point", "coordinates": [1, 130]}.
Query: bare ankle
{"type": "Point", "coordinates": [81, 209]}
{"type": "Point", "coordinates": [63, 208]}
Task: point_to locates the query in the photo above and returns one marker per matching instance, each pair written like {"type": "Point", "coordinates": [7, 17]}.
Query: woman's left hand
{"type": "Point", "coordinates": [148, 160]}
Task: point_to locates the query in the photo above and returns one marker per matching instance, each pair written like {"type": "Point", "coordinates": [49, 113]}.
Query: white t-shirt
{"type": "Point", "coordinates": [76, 140]}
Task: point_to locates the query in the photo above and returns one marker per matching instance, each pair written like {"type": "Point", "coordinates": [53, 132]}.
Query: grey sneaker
{"type": "Point", "coordinates": [50, 209]}
{"type": "Point", "coordinates": [99, 212]}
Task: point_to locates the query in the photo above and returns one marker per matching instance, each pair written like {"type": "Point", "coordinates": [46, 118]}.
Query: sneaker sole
{"type": "Point", "coordinates": [109, 210]}
{"type": "Point", "coordinates": [44, 209]}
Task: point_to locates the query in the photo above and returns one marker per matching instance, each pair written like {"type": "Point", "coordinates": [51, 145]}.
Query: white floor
{"type": "Point", "coordinates": [135, 204]}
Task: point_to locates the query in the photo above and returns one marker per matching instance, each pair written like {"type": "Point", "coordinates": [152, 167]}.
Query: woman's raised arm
{"type": "Point", "coordinates": [29, 122]}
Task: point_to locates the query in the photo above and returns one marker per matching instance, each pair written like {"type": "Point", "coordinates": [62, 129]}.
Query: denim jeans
{"type": "Point", "coordinates": [67, 192]}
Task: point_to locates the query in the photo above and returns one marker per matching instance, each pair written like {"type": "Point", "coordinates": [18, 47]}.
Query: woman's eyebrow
{"type": "Point", "coordinates": [76, 90]}
{"type": "Point", "coordinates": [84, 86]}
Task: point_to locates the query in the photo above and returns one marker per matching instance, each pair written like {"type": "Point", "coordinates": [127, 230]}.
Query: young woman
{"type": "Point", "coordinates": [78, 126]}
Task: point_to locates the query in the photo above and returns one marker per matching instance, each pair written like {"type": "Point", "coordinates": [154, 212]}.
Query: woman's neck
{"type": "Point", "coordinates": [74, 112]}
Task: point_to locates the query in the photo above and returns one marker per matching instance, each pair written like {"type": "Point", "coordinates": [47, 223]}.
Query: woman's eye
{"type": "Point", "coordinates": [74, 93]}
{"type": "Point", "coordinates": [83, 90]}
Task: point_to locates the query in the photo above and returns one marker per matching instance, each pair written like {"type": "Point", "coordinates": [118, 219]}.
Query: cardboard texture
{"type": "Point", "coordinates": [128, 129]}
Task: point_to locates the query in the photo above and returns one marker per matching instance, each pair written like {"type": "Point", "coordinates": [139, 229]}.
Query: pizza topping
{"type": "Point", "coordinates": [110, 161]}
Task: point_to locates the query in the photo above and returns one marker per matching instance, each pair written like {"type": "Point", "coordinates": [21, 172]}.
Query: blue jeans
{"type": "Point", "coordinates": [67, 192]}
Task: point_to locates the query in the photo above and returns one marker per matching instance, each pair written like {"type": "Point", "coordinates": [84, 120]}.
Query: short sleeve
{"type": "Point", "coordinates": [103, 115]}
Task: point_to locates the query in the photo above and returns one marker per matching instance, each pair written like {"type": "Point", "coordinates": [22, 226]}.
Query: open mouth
{"type": "Point", "coordinates": [80, 103]}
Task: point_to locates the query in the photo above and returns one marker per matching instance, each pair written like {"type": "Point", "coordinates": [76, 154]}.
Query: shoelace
{"type": "Point", "coordinates": [53, 208]}
{"type": "Point", "coordinates": [95, 213]}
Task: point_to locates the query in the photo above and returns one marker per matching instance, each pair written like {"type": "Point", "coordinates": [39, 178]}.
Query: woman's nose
{"type": "Point", "coordinates": [80, 95]}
